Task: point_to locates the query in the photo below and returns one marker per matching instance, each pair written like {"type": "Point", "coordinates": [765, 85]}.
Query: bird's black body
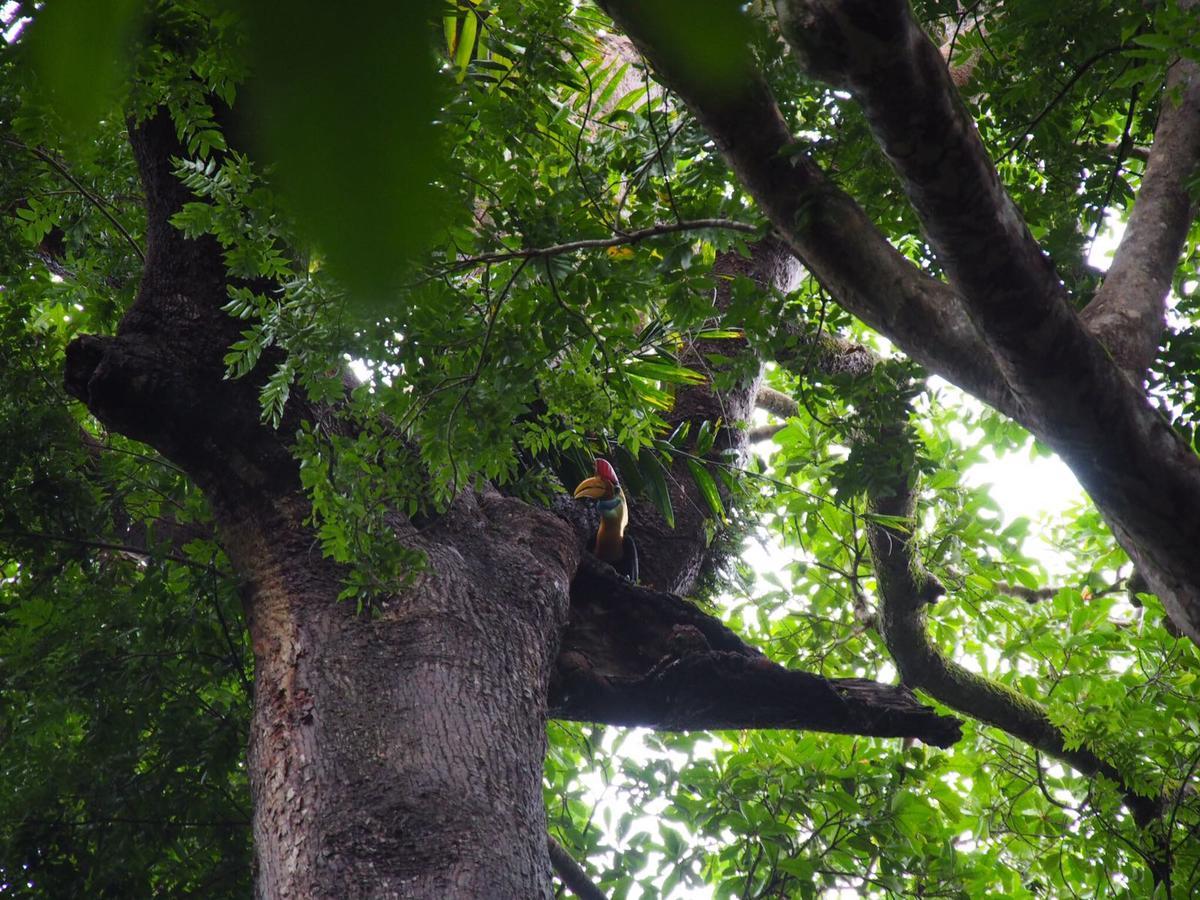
{"type": "Point", "coordinates": [627, 565]}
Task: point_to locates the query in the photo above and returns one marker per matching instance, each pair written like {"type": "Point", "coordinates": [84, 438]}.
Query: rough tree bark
{"type": "Point", "coordinates": [400, 754]}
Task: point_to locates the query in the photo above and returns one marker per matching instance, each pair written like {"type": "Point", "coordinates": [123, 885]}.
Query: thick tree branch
{"type": "Point", "coordinates": [962, 72]}
{"type": "Point", "coordinates": [776, 402]}
{"type": "Point", "coordinates": [828, 354]}
{"type": "Point", "coordinates": [1028, 594]}
{"type": "Point", "coordinates": [878, 52]}
{"type": "Point", "coordinates": [632, 656]}
{"type": "Point", "coordinates": [1128, 312]}
{"type": "Point", "coordinates": [763, 433]}
{"type": "Point", "coordinates": [826, 229]}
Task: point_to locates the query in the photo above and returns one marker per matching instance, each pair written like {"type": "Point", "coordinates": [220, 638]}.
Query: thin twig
{"type": "Point", "coordinates": [1063, 91]}
{"type": "Point", "coordinates": [235, 653]}
{"type": "Point", "coordinates": [1118, 164]}
{"type": "Point", "coordinates": [95, 200]}
{"type": "Point", "coordinates": [587, 112]}
{"type": "Point", "coordinates": [132, 550]}
{"type": "Point", "coordinates": [658, 146]}
{"type": "Point", "coordinates": [1041, 782]}
{"type": "Point", "coordinates": [631, 237]}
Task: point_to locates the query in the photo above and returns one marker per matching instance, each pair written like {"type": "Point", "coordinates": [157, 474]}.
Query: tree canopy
{"type": "Point", "coordinates": [796, 270]}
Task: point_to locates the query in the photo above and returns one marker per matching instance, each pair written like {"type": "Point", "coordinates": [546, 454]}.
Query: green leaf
{"type": "Point", "coordinates": [708, 487]}
{"type": "Point", "coordinates": [360, 175]}
{"type": "Point", "coordinates": [81, 51]}
{"type": "Point", "coordinates": [466, 43]}
{"type": "Point", "coordinates": [1164, 42]}
{"type": "Point", "coordinates": [661, 371]}
{"type": "Point", "coordinates": [896, 523]}
{"type": "Point", "coordinates": [679, 435]}
{"type": "Point", "coordinates": [654, 477]}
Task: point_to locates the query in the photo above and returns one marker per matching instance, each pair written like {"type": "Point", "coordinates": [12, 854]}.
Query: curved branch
{"type": "Point", "coordinates": [904, 588]}
{"type": "Point", "coordinates": [91, 197]}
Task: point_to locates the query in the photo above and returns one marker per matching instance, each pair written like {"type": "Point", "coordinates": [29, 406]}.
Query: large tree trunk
{"type": "Point", "coordinates": [398, 752]}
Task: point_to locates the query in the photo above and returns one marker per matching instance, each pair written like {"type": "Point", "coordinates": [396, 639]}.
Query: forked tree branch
{"type": "Point", "coordinates": [878, 52]}
{"type": "Point", "coordinates": [1142, 476]}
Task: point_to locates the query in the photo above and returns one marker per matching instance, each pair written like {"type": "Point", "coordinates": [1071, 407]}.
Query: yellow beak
{"type": "Point", "coordinates": [595, 488]}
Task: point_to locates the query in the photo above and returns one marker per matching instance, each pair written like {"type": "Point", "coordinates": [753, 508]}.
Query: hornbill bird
{"type": "Point", "coordinates": [612, 544]}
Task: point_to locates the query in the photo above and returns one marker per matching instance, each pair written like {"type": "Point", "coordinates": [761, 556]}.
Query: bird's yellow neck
{"type": "Point", "coordinates": [610, 545]}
